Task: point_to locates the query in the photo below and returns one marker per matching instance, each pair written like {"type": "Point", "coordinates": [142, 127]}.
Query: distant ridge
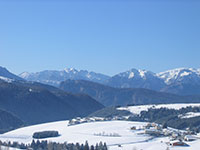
{"type": "Point", "coordinates": [110, 96]}
{"type": "Point", "coordinates": [181, 81]}
{"type": "Point", "coordinates": [53, 77]}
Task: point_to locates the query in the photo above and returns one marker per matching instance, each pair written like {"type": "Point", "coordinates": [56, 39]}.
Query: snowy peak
{"type": "Point", "coordinates": [134, 73]}
{"type": "Point", "coordinates": [25, 75]}
{"type": "Point", "coordinates": [180, 74]}
{"type": "Point", "coordinates": [71, 70]}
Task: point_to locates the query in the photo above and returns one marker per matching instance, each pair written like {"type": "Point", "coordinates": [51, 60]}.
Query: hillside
{"type": "Point", "coordinates": [37, 103]}
{"type": "Point", "coordinates": [180, 116]}
{"type": "Point", "coordinates": [9, 121]}
{"type": "Point", "coordinates": [110, 96]}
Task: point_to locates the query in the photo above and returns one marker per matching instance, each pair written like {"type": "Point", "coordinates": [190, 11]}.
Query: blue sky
{"type": "Point", "coordinates": [102, 36]}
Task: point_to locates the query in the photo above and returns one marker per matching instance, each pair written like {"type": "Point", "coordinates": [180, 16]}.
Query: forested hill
{"type": "Point", "coordinates": [37, 103]}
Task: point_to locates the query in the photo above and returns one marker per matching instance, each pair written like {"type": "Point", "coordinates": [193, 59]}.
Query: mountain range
{"type": "Point", "coordinates": [53, 77]}
{"type": "Point", "coordinates": [181, 81]}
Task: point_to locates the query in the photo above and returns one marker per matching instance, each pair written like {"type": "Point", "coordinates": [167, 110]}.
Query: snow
{"type": "Point", "coordinates": [134, 73]}
{"type": "Point", "coordinates": [138, 109]}
{"type": "Point", "coordinates": [77, 132]}
{"type": "Point", "coordinates": [128, 139]}
{"type": "Point", "coordinates": [24, 75]}
{"type": "Point", "coordinates": [142, 73]}
{"type": "Point", "coordinates": [88, 76]}
{"type": "Point", "coordinates": [131, 75]}
{"type": "Point", "coordinates": [6, 79]}
{"type": "Point", "coordinates": [71, 70]}
{"type": "Point", "coordinates": [8, 148]}
{"type": "Point", "coordinates": [185, 74]}
{"type": "Point", "coordinates": [190, 115]}
{"type": "Point", "coordinates": [175, 74]}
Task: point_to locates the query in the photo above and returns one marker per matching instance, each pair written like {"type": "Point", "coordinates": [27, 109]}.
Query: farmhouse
{"type": "Point", "coordinates": [189, 138]}
{"type": "Point", "coordinates": [178, 143]}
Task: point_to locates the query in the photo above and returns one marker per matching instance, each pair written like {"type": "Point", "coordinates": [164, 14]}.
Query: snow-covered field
{"type": "Point", "coordinates": [129, 140]}
{"type": "Point", "coordinates": [8, 148]}
{"type": "Point", "coordinates": [139, 108]}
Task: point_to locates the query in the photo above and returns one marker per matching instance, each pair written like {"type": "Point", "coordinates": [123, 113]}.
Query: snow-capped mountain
{"type": "Point", "coordinates": [136, 79]}
{"type": "Point", "coordinates": [7, 76]}
{"type": "Point", "coordinates": [185, 75]}
{"type": "Point", "coordinates": [183, 81]}
{"type": "Point", "coordinates": [54, 77]}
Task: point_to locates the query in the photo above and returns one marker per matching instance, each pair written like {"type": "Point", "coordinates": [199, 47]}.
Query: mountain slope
{"type": "Point", "coordinates": [110, 96]}
{"type": "Point", "coordinates": [54, 78]}
{"type": "Point", "coordinates": [36, 103]}
{"type": "Point", "coordinates": [6, 75]}
{"type": "Point", "coordinates": [8, 121]}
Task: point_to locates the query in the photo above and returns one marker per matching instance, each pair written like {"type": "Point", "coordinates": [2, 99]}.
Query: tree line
{"type": "Point", "coordinates": [44, 145]}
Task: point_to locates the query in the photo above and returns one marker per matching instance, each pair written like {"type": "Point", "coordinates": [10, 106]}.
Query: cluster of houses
{"type": "Point", "coordinates": [80, 120]}
{"type": "Point", "coordinates": [177, 137]}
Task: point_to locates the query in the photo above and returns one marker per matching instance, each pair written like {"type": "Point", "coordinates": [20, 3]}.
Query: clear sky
{"type": "Point", "coordinates": [104, 36]}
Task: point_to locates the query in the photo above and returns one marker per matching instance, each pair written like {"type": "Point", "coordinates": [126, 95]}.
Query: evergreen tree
{"type": "Point", "coordinates": [92, 147]}
{"type": "Point", "coordinates": [105, 146]}
{"type": "Point", "coordinates": [86, 147]}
